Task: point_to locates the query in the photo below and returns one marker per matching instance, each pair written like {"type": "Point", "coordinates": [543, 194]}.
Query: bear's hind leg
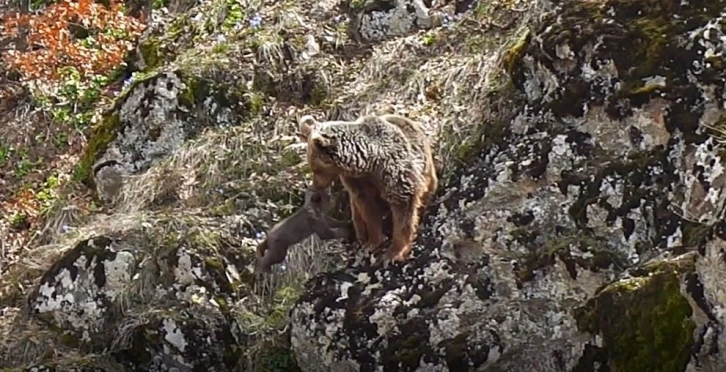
{"type": "Point", "coordinates": [405, 224]}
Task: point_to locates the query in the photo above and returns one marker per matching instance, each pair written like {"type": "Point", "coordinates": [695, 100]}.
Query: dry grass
{"type": "Point", "coordinates": [231, 159]}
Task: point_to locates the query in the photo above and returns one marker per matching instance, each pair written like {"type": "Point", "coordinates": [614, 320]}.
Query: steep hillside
{"type": "Point", "coordinates": [578, 225]}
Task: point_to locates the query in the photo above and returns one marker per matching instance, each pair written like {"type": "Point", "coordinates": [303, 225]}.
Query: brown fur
{"type": "Point", "coordinates": [309, 219]}
{"type": "Point", "coordinates": [385, 163]}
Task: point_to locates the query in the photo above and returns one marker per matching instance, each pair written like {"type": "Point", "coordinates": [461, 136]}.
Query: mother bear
{"type": "Point", "coordinates": [383, 161]}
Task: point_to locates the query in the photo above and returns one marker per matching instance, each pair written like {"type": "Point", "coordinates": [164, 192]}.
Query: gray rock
{"type": "Point", "coordinates": [562, 247]}
{"type": "Point", "coordinates": [376, 20]}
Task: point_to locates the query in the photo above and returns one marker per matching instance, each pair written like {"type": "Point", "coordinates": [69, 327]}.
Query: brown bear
{"type": "Point", "coordinates": [385, 163]}
{"type": "Point", "coordinates": [309, 219]}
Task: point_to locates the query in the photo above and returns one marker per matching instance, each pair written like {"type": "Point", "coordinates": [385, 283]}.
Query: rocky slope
{"type": "Point", "coordinates": [578, 226]}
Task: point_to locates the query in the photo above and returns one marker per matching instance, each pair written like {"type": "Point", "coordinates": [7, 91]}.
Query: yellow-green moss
{"type": "Point", "coordinates": [319, 94]}
{"type": "Point", "coordinates": [645, 322]}
{"type": "Point", "coordinates": [188, 96]}
{"type": "Point", "coordinates": [516, 51]}
{"type": "Point", "coordinates": [149, 50]}
{"type": "Point", "coordinates": [97, 145]}
{"type": "Point", "coordinates": [357, 4]}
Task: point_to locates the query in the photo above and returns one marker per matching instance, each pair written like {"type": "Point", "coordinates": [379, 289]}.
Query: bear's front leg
{"type": "Point", "coordinates": [372, 215]}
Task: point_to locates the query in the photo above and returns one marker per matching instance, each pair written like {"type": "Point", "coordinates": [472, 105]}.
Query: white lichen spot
{"type": "Point", "coordinates": [653, 82]}
{"type": "Point", "coordinates": [183, 269]}
{"type": "Point", "coordinates": [343, 291]}
{"type": "Point", "coordinates": [383, 315]}
{"type": "Point", "coordinates": [446, 325]}
{"type": "Point", "coordinates": [675, 239]}
{"type": "Point", "coordinates": [563, 51]}
{"type": "Point", "coordinates": [437, 272]}
{"type": "Point", "coordinates": [378, 25]}
{"type": "Point", "coordinates": [174, 335]}
{"type": "Point", "coordinates": [118, 273]}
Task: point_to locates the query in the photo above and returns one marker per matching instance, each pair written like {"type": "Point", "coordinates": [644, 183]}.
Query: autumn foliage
{"type": "Point", "coordinates": [91, 37]}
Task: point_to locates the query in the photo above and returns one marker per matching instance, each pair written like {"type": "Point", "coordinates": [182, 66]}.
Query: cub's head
{"type": "Point", "coordinates": [318, 200]}
{"type": "Point", "coordinates": [321, 147]}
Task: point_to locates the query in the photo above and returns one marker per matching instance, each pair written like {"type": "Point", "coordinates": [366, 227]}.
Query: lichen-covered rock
{"type": "Point", "coordinates": [80, 290]}
{"type": "Point", "coordinates": [375, 20]}
{"type": "Point", "coordinates": [642, 318]}
{"type": "Point", "coordinates": [155, 308]}
{"type": "Point", "coordinates": [578, 223]}
{"type": "Point", "coordinates": [152, 120]}
{"type": "Point", "coordinates": [602, 161]}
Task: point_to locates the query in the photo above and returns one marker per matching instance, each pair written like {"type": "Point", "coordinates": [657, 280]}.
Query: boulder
{"type": "Point", "coordinates": [581, 233]}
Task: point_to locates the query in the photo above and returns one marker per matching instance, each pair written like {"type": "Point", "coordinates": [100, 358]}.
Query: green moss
{"type": "Point", "coordinates": [70, 339]}
{"type": "Point", "coordinates": [695, 234]}
{"type": "Point", "coordinates": [213, 264]}
{"type": "Point", "coordinates": [411, 353]}
{"type": "Point", "coordinates": [257, 102]}
{"type": "Point", "coordinates": [223, 305]}
{"type": "Point", "coordinates": [645, 322]}
{"type": "Point", "coordinates": [516, 51]}
{"type": "Point", "coordinates": [655, 32]}
{"type": "Point", "coordinates": [97, 145]}
{"type": "Point", "coordinates": [318, 94]}
{"type": "Point", "coordinates": [357, 4]}
{"type": "Point", "coordinates": [192, 90]}
{"type": "Point", "coordinates": [149, 50]}
{"type": "Point", "coordinates": [278, 359]}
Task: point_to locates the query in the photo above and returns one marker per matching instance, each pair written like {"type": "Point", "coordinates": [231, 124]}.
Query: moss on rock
{"type": "Point", "coordinates": [515, 52]}
{"type": "Point", "coordinates": [149, 52]}
{"type": "Point", "coordinates": [104, 134]}
{"type": "Point", "coordinates": [277, 359]}
{"type": "Point", "coordinates": [641, 38]}
{"type": "Point", "coordinates": [645, 321]}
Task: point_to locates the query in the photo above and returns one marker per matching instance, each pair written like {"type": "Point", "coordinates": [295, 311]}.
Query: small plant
{"type": "Point", "coordinates": [278, 360]}
{"type": "Point", "coordinates": [5, 152]}
{"type": "Point", "coordinates": [429, 38]}
{"type": "Point", "coordinates": [48, 194]}
{"type": "Point", "coordinates": [220, 48]}
{"type": "Point", "coordinates": [158, 4]}
{"type": "Point", "coordinates": [357, 4]}
{"type": "Point", "coordinates": [235, 14]}
{"type": "Point", "coordinates": [19, 221]}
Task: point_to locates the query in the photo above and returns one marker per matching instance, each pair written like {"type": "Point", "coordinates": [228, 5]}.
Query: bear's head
{"type": "Point", "coordinates": [320, 152]}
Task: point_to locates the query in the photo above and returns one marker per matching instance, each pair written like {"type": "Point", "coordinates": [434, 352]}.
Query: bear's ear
{"type": "Point", "coordinates": [305, 126]}
{"type": "Point", "coordinates": [320, 141]}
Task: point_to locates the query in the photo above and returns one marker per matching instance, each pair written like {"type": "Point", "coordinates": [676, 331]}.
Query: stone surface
{"type": "Point", "coordinates": [606, 163]}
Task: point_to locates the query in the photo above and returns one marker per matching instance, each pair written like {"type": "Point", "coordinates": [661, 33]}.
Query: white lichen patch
{"type": "Point", "coordinates": [379, 25]}
{"type": "Point", "coordinates": [78, 295]}
{"type": "Point", "coordinates": [118, 272]}
{"type": "Point", "coordinates": [383, 317]}
{"type": "Point", "coordinates": [705, 181]}
{"type": "Point", "coordinates": [436, 273]}
{"type": "Point", "coordinates": [174, 335]}
{"type": "Point", "coordinates": [446, 325]}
